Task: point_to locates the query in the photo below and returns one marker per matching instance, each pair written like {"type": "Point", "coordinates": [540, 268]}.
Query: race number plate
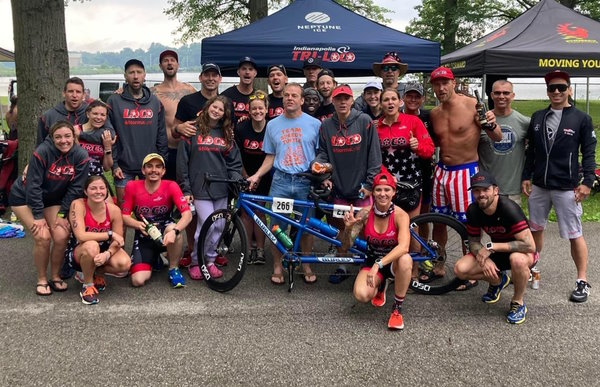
{"type": "Point", "coordinates": [283, 206]}
{"type": "Point", "coordinates": [340, 210]}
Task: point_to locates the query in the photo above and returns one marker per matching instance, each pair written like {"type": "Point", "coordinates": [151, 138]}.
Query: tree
{"type": "Point", "coordinates": [456, 23]}
{"type": "Point", "coordinates": [200, 18]}
{"type": "Point", "coordinates": [42, 63]}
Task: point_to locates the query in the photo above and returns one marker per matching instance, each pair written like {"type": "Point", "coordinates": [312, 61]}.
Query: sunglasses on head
{"type": "Point", "coordinates": [389, 68]}
{"type": "Point", "coordinates": [256, 96]}
{"type": "Point", "coordinates": [561, 87]}
{"type": "Point", "coordinates": [498, 93]}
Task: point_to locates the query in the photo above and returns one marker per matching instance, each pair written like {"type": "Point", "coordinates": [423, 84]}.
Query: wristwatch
{"type": "Point", "coordinates": [110, 234]}
{"type": "Point", "coordinates": [378, 262]}
{"type": "Point", "coordinates": [177, 232]}
{"type": "Point", "coordinates": [489, 246]}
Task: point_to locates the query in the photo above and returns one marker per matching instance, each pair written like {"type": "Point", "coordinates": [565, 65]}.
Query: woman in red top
{"type": "Point", "coordinates": [403, 139]}
{"type": "Point", "coordinates": [385, 227]}
{"type": "Point", "coordinates": [97, 243]}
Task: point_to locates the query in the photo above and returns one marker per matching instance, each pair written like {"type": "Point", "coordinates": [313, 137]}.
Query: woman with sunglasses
{"type": "Point", "coordinates": [249, 137]}
{"type": "Point", "coordinates": [211, 150]}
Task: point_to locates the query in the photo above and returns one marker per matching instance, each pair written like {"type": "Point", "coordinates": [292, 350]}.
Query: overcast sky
{"type": "Point", "coordinates": [110, 25]}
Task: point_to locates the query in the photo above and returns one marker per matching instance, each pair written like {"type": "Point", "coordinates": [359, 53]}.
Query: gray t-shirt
{"type": "Point", "coordinates": [505, 159]}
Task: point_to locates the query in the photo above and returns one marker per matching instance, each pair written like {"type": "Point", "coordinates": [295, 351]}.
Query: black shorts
{"type": "Point", "coordinates": [384, 273]}
{"type": "Point", "coordinates": [70, 252]}
{"type": "Point", "coordinates": [146, 252]}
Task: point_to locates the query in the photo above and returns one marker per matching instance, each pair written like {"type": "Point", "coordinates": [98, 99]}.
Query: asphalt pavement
{"type": "Point", "coordinates": [259, 334]}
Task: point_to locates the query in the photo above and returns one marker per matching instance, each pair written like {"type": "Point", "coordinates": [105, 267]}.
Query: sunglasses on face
{"type": "Point", "coordinates": [256, 96]}
{"type": "Point", "coordinates": [389, 68]}
{"type": "Point", "coordinates": [561, 87]}
{"type": "Point", "coordinates": [499, 93]}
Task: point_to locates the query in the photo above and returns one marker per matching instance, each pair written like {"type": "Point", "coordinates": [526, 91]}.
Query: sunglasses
{"type": "Point", "coordinates": [561, 87]}
{"type": "Point", "coordinates": [389, 68]}
{"type": "Point", "coordinates": [499, 93]}
{"type": "Point", "coordinates": [256, 96]}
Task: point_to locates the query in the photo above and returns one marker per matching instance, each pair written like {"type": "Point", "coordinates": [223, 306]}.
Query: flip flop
{"type": "Point", "coordinates": [278, 279]}
{"type": "Point", "coordinates": [52, 284]}
{"type": "Point", "coordinates": [305, 277]}
{"type": "Point", "coordinates": [428, 276]}
{"type": "Point", "coordinates": [467, 285]}
{"type": "Point", "coordinates": [45, 286]}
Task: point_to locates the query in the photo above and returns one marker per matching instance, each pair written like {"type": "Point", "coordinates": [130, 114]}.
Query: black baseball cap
{"type": "Point", "coordinates": [247, 59]}
{"type": "Point", "coordinates": [325, 72]}
{"type": "Point", "coordinates": [482, 179]}
{"type": "Point", "coordinates": [316, 62]}
{"type": "Point", "coordinates": [210, 66]}
{"type": "Point", "coordinates": [279, 67]}
{"type": "Point", "coordinates": [132, 62]}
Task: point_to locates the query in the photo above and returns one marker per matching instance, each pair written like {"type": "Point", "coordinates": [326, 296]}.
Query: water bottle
{"type": "Point", "coordinates": [360, 244]}
{"type": "Point", "coordinates": [282, 237]}
{"type": "Point", "coordinates": [324, 228]}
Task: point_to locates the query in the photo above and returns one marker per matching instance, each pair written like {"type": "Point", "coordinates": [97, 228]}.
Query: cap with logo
{"type": "Point", "coordinates": [248, 59]}
{"type": "Point", "coordinates": [482, 179]}
{"type": "Point", "coordinates": [132, 62]}
{"type": "Point", "coordinates": [342, 90]}
{"type": "Point", "coordinates": [279, 67]}
{"type": "Point", "coordinates": [373, 85]}
{"type": "Point", "coordinates": [441, 73]}
{"type": "Point", "coordinates": [312, 62]}
{"type": "Point", "coordinates": [413, 86]}
{"type": "Point", "coordinates": [557, 74]}
{"type": "Point", "coordinates": [168, 53]}
{"type": "Point", "coordinates": [384, 178]}
{"type": "Point", "coordinates": [153, 156]}
{"type": "Point", "coordinates": [390, 58]}
{"type": "Point", "coordinates": [210, 67]}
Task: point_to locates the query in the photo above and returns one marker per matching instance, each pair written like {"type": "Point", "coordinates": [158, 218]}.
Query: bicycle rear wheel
{"type": "Point", "coordinates": [442, 255]}
{"type": "Point", "coordinates": [224, 233]}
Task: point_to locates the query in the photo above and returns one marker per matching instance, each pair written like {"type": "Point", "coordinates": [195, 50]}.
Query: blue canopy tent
{"type": "Point", "coordinates": [344, 41]}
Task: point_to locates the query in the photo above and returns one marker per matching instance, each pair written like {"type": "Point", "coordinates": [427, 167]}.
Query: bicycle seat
{"type": "Point", "coordinates": [316, 190]}
{"type": "Point", "coordinates": [315, 179]}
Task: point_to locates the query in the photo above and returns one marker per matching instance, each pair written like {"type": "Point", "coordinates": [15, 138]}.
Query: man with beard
{"type": "Point", "coordinates": [511, 248]}
{"type": "Point", "coordinates": [277, 80]}
{"type": "Point", "coordinates": [390, 69]}
{"type": "Point", "coordinates": [238, 94]}
{"type": "Point", "coordinates": [169, 92]}
{"type": "Point", "coordinates": [325, 85]}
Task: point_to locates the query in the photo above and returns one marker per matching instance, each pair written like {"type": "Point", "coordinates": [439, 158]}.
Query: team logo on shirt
{"type": "Point", "coordinates": [252, 144]}
{"type": "Point", "coordinates": [346, 140]}
{"type": "Point", "coordinates": [137, 113]}
{"type": "Point", "coordinates": [210, 140]}
{"type": "Point", "coordinates": [56, 172]}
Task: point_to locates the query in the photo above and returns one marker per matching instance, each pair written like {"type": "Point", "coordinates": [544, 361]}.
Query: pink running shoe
{"type": "Point", "coordinates": [214, 271]}
{"type": "Point", "coordinates": [195, 273]}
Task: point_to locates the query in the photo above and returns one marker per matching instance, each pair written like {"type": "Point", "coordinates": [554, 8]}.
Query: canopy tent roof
{"type": "Point", "coordinates": [6, 56]}
{"type": "Point", "coordinates": [546, 37]}
{"type": "Point", "coordinates": [344, 41]}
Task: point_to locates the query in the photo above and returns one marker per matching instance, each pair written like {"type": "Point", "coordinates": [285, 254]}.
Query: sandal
{"type": "Point", "coordinates": [52, 284]}
{"type": "Point", "coordinates": [428, 276]}
{"type": "Point", "coordinates": [278, 279]}
{"type": "Point", "coordinates": [45, 286]}
{"type": "Point", "coordinates": [467, 285]}
{"type": "Point", "coordinates": [307, 275]}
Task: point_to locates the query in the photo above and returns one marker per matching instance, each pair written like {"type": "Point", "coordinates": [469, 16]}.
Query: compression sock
{"type": "Point", "coordinates": [398, 303]}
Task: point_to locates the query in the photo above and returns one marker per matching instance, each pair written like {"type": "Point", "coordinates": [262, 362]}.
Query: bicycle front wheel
{"type": "Point", "coordinates": [441, 240]}
{"type": "Point", "coordinates": [223, 233]}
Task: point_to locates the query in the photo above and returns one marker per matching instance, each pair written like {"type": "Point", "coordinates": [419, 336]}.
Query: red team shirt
{"type": "Point", "coordinates": [156, 206]}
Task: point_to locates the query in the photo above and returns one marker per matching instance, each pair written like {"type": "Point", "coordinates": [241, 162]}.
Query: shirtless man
{"type": "Point", "coordinates": [457, 129]}
{"type": "Point", "coordinates": [169, 92]}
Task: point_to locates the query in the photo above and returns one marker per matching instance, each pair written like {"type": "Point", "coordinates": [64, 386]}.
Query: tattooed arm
{"type": "Point", "coordinates": [354, 224]}
{"type": "Point", "coordinates": [523, 243]}
{"type": "Point", "coordinates": [77, 219]}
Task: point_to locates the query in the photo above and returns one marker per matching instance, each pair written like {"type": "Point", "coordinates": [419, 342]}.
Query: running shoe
{"type": "Point", "coordinates": [99, 283]}
{"type": "Point", "coordinates": [195, 273]}
{"type": "Point", "coordinates": [66, 271]}
{"type": "Point", "coordinates": [396, 321]}
{"type": "Point", "coordinates": [379, 300]}
{"type": "Point", "coordinates": [259, 258]}
{"type": "Point", "coordinates": [252, 257]}
{"type": "Point", "coordinates": [221, 260]}
{"type": "Point", "coordinates": [581, 292]}
{"type": "Point", "coordinates": [214, 271]}
{"type": "Point", "coordinates": [517, 313]}
{"type": "Point", "coordinates": [177, 280]}
{"type": "Point", "coordinates": [493, 294]}
{"type": "Point", "coordinates": [88, 295]}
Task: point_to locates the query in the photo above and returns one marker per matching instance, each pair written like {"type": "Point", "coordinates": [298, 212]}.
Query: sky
{"type": "Point", "coordinates": [110, 25]}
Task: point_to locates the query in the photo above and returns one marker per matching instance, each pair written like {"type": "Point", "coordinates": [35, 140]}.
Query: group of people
{"type": "Point", "coordinates": [159, 143]}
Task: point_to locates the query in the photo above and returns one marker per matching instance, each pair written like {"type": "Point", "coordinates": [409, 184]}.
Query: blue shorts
{"type": "Point", "coordinates": [289, 186]}
{"type": "Point", "coordinates": [127, 177]}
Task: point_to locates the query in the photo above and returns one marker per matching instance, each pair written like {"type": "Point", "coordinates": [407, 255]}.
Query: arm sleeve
{"type": "Point", "coordinates": [178, 198]}
{"type": "Point", "coordinates": [374, 160]}
{"type": "Point", "coordinates": [183, 160]}
{"type": "Point", "coordinates": [161, 138]}
{"type": "Point", "coordinates": [322, 156]}
{"type": "Point", "coordinates": [425, 148]}
{"type": "Point", "coordinates": [588, 151]}
{"type": "Point", "coordinates": [268, 146]}
{"type": "Point", "coordinates": [33, 185]}
{"type": "Point", "coordinates": [233, 160]}
{"type": "Point", "coordinates": [75, 189]}
{"type": "Point", "coordinates": [529, 153]}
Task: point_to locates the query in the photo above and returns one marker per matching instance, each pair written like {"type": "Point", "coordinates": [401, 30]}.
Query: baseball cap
{"type": "Point", "coordinates": [413, 86]}
{"type": "Point", "coordinates": [325, 72]}
{"type": "Point", "coordinates": [557, 74]}
{"type": "Point", "coordinates": [342, 89]}
{"type": "Point", "coordinates": [384, 178]}
{"type": "Point", "coordinates": [247, 59]}
{"type": "Point", "coordinates": [482, 179]}
{"type": "Point", "coordinates": [373, 85]}
{"type": "Point", "coordinates": [152, 156]}
{"type": "Point", "coordinates": [279, 67]}
{"type": "Point", "coordinates": [312, 62]}
{"type": "Point", "coordinates": [441, 73]}
{"type": "Point", "coordinates": [168, 53]}
{"type": "Point", "coordinates": [210, 66]}
{"type": "Point", "coordinates": [132, 62]}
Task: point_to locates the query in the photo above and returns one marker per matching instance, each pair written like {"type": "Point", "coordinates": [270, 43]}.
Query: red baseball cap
{"type": "Point", "coordinates": [342, 89]}
{"type": "Point", "coordinates": [168, 53]}
{"type": "Point", "coordinates": [384, 178]}
{"type": "Point", "coordinates": [557, 74]}
{"type": "Point", "coordinates": [441, 73]}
